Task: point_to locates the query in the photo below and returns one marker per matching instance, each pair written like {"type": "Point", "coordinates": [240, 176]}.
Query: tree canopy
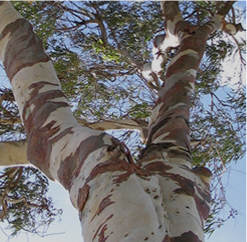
{"type": "Point", "coordinates": [100, 51]}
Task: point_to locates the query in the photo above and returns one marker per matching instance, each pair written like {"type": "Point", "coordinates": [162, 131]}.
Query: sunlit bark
{"type": "Point", "coordinates": [13, 153]}
{"type": "Point", "coordinates": [159, 198]}
{"type": "Point", "coordinates": [103, 125]}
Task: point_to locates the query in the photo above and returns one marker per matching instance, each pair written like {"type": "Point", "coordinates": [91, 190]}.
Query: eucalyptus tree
{"type": "Point", "coordinates": [122, 69]}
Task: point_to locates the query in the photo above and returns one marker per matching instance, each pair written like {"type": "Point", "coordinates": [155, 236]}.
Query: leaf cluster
{"type": "Point", "coordinates": [24, 202]}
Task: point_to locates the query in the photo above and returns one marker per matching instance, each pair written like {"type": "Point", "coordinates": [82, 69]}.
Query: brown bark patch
{"type": "Point", "coordinates": [174, 121]}
{"type": "Point", "coordinates": [201, 205]}
{"type": "Point", "coordinates": [39, 147]}
{"type": "Point", "coordinates": [38, 85]}
{"type": "Point", "coordinates": [101, 230]}
{"type": "Point", "coordinates": [71, 166]}
{"type": "Point", "coordinates": [179, 154]}
{"type": "Point", "coordinates": [23, 49]}
{"type": "Point", "coordinates": [43, 106]}
{"type": "Point", "coordinates": [115, 163]}
{"type": "Point", "coordinates": [170, 10]}
{"type": "Point", "coordinates": [82, 196]}
{"type": "Point", "coordinates": [186, 186]}
{"type": "Point", "coordinates": [185, 237]}
{"type": "Point", "coordinates": [184, 63]}
{"type": "Point", "coordinates": [39, 136]}
{"type": "Point", "coordinates": [153, 151]}
{"type": "Point", "coordinates": [103, 204]}
{"type": "Point", "coordinates": [158, 166]}
{"type": "Point", "coordinates": [101, 235]}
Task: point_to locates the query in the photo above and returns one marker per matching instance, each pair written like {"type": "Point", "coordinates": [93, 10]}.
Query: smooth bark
{"type": "Point", "coordinates": [13, 153]}
{"type": "Point", "coordinates": [103, 125]}
{"type": "Point", "coordinates": [159, 198]}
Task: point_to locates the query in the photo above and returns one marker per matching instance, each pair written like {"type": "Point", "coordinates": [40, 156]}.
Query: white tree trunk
{"type": "Point", "coordinates": [160, 198]}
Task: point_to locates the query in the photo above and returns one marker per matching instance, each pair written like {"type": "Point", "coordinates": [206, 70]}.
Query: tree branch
{"type": "Point", "coordinates": [13, 153]}
{"type": "Point", "coordinates": [104, 125]}
{"type": "Point", "coordinates": [224, 7]}
{"type": "Point", "coordinates": [218, 22]}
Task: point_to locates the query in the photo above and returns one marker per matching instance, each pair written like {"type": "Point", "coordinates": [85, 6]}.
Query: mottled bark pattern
{"type": "Point", "coordinates": [39, 136]}
{"type": "Point", "coordinates": [23, 49]}
{"type": "Point", "coordinates": [187, 236]}
{"type": "Point", "coordinates": [159, 198]}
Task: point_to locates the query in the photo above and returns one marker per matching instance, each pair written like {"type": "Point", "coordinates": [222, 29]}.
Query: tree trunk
{"type": "Point", "coordinates": [159, 198]}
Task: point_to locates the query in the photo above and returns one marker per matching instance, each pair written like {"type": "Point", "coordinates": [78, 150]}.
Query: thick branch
{"type": "Point", "coordinates": [224, 7]}
{"type": "Point", "coordinates": [169, 122]}
{"type": "Point", "coordinates": [153, 72]}
{"type": "Point", "coordinates": [13, 153]}
{"type": "Point", "coordinates": [104, 125]}
{"type": "Point", "coordinates": [218, 22]}
{"type": "Point", "coordinates": [129, 124]}
{"type": "Point", "coordinates": [102, 29]}
{"type": "Point", "coordinates": [170, 10]}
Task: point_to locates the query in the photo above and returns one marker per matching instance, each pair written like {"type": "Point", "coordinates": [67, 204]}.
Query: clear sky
{"type": "Point", "coordinates": [235, 182]}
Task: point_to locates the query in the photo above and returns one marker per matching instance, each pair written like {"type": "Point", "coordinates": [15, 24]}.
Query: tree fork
{"type": "Point", "coordinates": [158, 199]}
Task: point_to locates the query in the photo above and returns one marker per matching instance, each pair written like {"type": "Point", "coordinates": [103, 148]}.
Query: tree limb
{"type": "Point", "coordinates": [224, 7]}
{"type": "Point", "coordinates": [104, 125]}
{"type": "Point", "coordinates": [13, 153]}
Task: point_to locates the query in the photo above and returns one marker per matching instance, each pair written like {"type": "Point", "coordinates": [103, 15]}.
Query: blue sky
{"type": "Point", "coordinates": [235, 182]}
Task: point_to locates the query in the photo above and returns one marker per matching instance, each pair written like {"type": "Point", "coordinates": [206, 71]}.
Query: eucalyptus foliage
{"type": "Point", "coordinates": [24, 202]}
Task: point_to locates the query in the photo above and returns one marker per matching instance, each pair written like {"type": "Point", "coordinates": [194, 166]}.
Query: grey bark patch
{"type": "Point", "coordinates": [23, 49]}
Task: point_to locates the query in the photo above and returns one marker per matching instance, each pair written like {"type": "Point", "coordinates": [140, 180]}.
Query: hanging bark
{"type": "Point", "coordinates": [159, 198]}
